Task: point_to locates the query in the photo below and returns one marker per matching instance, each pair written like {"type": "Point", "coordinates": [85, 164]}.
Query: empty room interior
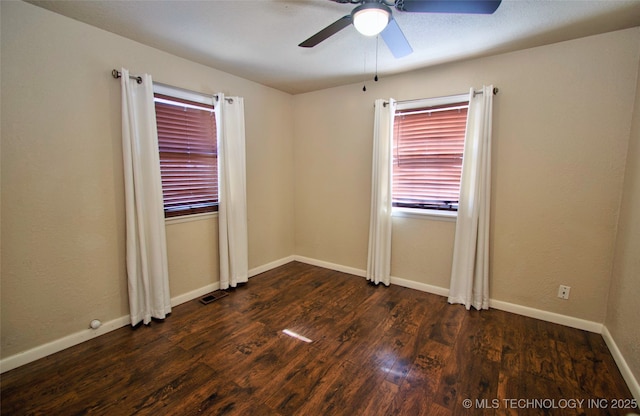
{"type": "Point", "coordinates": [557, 332]}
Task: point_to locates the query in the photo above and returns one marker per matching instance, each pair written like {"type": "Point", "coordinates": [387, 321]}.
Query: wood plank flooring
{"type": "Point", "coordinates": [374, 351]}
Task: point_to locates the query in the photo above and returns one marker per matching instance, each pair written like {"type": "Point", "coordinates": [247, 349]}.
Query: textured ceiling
{"type": "Point", "coordinates": [258, 40]}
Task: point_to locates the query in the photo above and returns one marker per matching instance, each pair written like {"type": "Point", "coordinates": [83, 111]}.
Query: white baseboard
{"type": "Point", "coordinates": [63, 343]}
{"type": "Point", "coordinates": [194, 294]}
{"type": "Point", "coordinates": [423, 287]}
{"type": "Point", "coordinates": [269, 266]}
{"type": "Point", "coordinates": [57, 345]}
{"type": "Point", "coordinates": [624, 368]}
{"type": "Point", "coordinates": [329, 265]}
{"type": "Point", "coordinates": [497, 304]}
{"type": "Point", "coordinates": [547, 316]}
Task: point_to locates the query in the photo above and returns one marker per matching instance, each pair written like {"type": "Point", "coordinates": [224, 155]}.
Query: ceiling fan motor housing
{"type": "Point", "coordinates": [371, 17]}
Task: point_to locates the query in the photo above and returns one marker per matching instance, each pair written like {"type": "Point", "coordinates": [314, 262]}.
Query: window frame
{"type": "Point", "coordinates": [200, 98]}
{"type": "Point", "coordinates": [427, 213]}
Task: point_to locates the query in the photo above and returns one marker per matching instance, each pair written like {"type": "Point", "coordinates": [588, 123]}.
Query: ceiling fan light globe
{"type": "Point", "coordinates": [370, 20]}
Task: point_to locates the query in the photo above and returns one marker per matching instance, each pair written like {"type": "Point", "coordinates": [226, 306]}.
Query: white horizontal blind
{"type": "Point", "coordinates": [428, 144]}
{"type": "Point", "coordinates": [187, 142]}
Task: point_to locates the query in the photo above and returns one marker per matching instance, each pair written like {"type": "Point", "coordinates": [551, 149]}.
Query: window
{"type": "Point", "coordinates": [187, 142]}
{"type": "Point", "coordinates": [428, 143]}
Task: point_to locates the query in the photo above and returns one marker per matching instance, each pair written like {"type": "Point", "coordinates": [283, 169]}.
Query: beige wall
{"type": "Point", "coordinates": [622, 313]}
{"type": "Point", "coordinates": [561, 128]}
{"type": "Point", "coordinates": [62, 186]}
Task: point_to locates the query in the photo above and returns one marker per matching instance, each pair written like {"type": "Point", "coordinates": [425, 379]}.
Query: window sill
{"type": "Point", "coordinates": [190, 218]}
{"type": "Point", "coordinates": [425, 214]}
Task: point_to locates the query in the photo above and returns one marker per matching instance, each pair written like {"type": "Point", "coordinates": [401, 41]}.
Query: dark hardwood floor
{"type": "Point", "coordinates": [374, 351]}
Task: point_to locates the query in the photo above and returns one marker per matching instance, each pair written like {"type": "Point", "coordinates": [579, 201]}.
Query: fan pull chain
{"type": "Point", "coordinates": [364, 74]}
{"type": "Point", "coordinates": [376, 77]}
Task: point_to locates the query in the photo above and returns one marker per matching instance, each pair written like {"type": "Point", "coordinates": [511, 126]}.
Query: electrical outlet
{"type": "Point", "coordinates": [563, 292]}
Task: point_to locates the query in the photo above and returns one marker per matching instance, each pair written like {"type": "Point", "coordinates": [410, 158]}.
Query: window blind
{"type": "Point", "coordinates": [428, 144]}
{"type": "Point", "coordinates": [187, 144]}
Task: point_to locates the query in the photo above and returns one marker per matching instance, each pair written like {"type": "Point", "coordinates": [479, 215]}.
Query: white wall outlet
{"type": "Point", "coordinates": [563, 292]}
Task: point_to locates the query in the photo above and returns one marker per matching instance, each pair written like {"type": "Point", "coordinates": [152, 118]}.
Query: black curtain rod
{"type": "Point", "coordinates": [495, 92]}
{"type": "Point", "coordinates": [117, 74]}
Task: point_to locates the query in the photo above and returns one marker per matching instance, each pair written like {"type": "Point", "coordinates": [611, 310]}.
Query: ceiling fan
{"type": "Point", "coordinates": [372, 17]}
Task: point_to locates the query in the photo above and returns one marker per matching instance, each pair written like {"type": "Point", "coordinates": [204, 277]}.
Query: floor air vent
{"type": "Point", "coordinates": [213, 296]}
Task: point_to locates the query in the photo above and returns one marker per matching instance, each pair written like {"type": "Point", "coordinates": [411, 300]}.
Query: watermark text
{"type": "Point", "coordinates": [548, 403]}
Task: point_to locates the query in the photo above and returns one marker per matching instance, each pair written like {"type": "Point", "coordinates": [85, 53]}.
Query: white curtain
{"type": "Point", "coordinates": [147, 270]}
{"type": "Point", "coordinates": [232, 211]}
{"type": "Point", "coordinates": [470, 269]}
{"type": "Point", "coordinates": [379, 257]}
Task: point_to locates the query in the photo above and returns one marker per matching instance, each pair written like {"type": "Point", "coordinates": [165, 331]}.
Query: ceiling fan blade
{"type": "Point", "coordinates": [328, 31]}
{"type": "Point", "coordinates": [448, 6]}
{"type": "Point", "coordinates": [395, 40]}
